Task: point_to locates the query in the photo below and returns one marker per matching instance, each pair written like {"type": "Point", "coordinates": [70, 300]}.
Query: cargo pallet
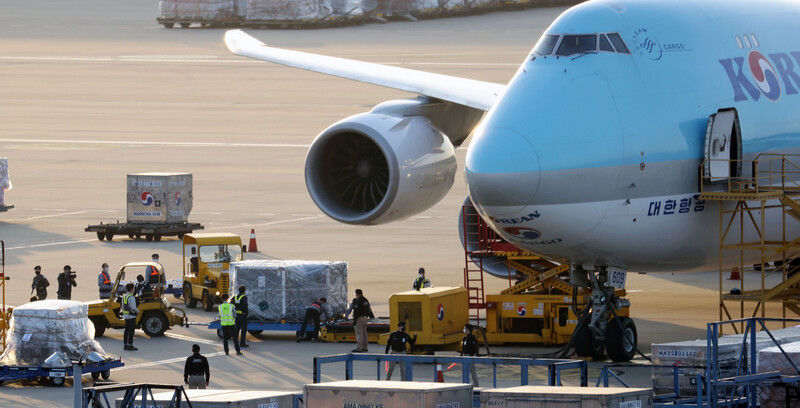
{"type": "Point", "coordinates": [57, 376]}
{"type": "Point", "coordinates": [151, 231]}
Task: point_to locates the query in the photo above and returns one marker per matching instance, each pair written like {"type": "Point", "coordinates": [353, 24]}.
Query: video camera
{"type": "Point", "coordinates": [72, 274]}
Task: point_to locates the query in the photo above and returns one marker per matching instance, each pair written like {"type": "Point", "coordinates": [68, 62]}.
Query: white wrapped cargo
{"type": "Point", "coordinates": [211, 10]}
{"type": "Point", "coordinates": [5, 182]}
{"type": "Point", "coordinates": [346, 8]}
{"type": "Point", "coordinates": [281, 290]}
{"type": "Point", "coordinates": [287, 10]}
{"type": "Point", "coordinates": [694, 352]}
{"type": "Point", "coordinates": [159, 197]}
{"type": "Point", "coordinates": [50, 333]}
{"type": "Point", "coordinates": [566, 397]}
{"type": "Point", "coordinates": [451, 4]}
{"type": "Point", "coordinates": [771, 359]}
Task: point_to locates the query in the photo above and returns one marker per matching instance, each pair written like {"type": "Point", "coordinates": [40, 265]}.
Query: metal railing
{"type": "Point", "coordinates": [554, 367]}
{"type": "Point", "coordinates": [768, 172]}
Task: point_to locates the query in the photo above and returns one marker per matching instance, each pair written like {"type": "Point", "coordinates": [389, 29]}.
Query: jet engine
{"type": "Point", "coordinates": [381, 166]}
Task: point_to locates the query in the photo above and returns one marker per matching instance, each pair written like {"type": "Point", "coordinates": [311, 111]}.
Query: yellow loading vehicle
{"type": "Point", "coordinates": [206, 262]}
{"type": "Point", "coordinates": [156, 315]}
{"type": "Point", "coordinates": [436, 315]}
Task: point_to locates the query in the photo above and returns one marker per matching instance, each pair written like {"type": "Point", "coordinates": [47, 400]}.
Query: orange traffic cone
{"type": "Point", "coordinates": [439, 373]}
{"type": "Point", "coordinates": [252, 247]}
{"type": "Point", "coordinates": [735, 274]}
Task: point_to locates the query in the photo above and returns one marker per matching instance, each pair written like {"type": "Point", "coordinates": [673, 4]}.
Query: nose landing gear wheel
{"type": "Point", "coordinates": [585, 346]}
{"type": "Point", "coordinates": [621, 338]}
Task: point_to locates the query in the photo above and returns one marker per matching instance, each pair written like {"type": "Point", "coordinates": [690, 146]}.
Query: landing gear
{"type": "Point", "coordinates": [605, 331]}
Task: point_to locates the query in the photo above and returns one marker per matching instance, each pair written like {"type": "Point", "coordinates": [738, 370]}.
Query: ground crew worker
{"type": "Point", "coordinates": [313, 312]}
{"type": "Point", "coordinates": [240, 303]}
{"type": "Point", "coordinates": [66, 280]}
{"type": "Point", "coordinates": [362, 312]}
{"type": "Point", "coordinates": [520, 277]}
{"type": "Point", "coordinates": [421, 281]}
{"type": "Point", "coordinates": [104, 283]}
{"type": "Point", "coordinates": [469, 347]}
{"type": "Point", "coordinates": [152, 274]}
{"type": "Point", "coordinates": [397, 343]}
{"type": "Point", "coordinates": [227, 313]}
{"type": "Point", "coordinates": [196, 370]}
{"type": "Point", "coordinates": [40, 283]}
{"type": "Point", "coordinates": [129, 312]}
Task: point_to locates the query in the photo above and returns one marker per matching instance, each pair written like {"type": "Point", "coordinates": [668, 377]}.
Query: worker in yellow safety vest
{"type": "Point", "coordinates": [129, 312]}
{"type": "Point", "coordinates": [227, 318]}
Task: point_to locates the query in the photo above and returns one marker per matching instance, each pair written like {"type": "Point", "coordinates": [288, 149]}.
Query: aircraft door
{"type": "Point", "coordinates": [723, 147]}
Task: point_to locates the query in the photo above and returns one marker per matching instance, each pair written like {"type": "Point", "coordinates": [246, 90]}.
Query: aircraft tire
{"type": "Point", "coordinates": [621, 339]}
{"type": "Point", "coordinates": [585, 346]}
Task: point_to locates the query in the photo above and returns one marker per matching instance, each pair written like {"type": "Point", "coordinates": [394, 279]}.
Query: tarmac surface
{"type": "Point", "coordinates": [92, 91]}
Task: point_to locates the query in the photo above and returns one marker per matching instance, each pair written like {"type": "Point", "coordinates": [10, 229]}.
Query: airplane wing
{"type": "Point", "coordinates": [468, 92]}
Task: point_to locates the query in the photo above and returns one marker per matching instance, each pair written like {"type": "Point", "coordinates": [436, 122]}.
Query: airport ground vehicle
{"type": "Point", "coordinates": [151, 231]}
{"type": "Point", "coordinates": [206, 261]}
{"type": "Point", "coordinates": [155, 316]}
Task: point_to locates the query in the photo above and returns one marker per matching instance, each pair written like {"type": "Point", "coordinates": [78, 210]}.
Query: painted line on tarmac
{"type": "Point", "coordinates": [51, 215]}
{"type": "Point", "coordinates": [178, 144]}
{"type": "Point", "coordinates": [164, 362]}
{"type": "Point", "coordinates": [193, 339]}
{"type": "Point", "coordinates": [269, 223]}
{"type": "Point", "coordinates": [51, 244]}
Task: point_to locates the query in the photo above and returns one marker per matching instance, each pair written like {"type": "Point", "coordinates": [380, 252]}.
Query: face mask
{"type": "Point", "coordinates": [155, 260]}
{"type": "Point", "coordinates": [421, 276]}
{"type": "Point", "coordinates": [465, 330]}
{"type": "Point", "coordinates": [105, 269]}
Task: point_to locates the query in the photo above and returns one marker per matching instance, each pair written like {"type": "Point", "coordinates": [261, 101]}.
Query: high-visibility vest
{"type": "Point", "coordinates": [238, 299]}
{"type": "Point", "coordinates": [153, 271]}
{"type": "Point", "coordinates": [226, 317]}
{"type": "Point", "coordinates": [106, 279]}
{"type": "Point", "coordinates": [126, 309]}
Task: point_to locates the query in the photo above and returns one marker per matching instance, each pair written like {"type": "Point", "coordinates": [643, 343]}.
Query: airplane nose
{"type": "Point", "coordinates": [502, 170]}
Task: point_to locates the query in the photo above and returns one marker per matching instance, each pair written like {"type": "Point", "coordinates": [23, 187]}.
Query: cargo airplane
{"type": "Point", "coordinates": [592, 152]}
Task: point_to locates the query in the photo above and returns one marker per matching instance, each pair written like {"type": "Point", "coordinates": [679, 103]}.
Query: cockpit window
{"type": "Point", "coordinates": [575, 44]}
{"type": "Point", "coordinates": [604, 44]}
{"type": "Point", "coordinates": [618, 43]}
{"type": "Point", "coordinates": [570, 44]}
{"type": "Point", "coordinates": [546, 45]}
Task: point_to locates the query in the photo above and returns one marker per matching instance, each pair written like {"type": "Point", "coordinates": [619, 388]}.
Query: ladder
{"type": "Point", "coordinates": [475, 249]}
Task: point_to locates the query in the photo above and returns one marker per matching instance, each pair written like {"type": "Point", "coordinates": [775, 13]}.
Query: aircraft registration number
{"type": "Point", "coordinates": [617, 277]}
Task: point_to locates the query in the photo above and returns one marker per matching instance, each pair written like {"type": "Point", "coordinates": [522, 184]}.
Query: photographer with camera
{"type": "Point", "coordinates": [66, 280]}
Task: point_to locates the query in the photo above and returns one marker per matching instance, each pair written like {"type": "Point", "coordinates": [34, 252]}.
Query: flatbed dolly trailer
{"type": "Point", "coordinates": [340, 331]}
{"type": "Point", "coordinates": [151, 231]}
{"type": "Point", "coordinates": [255, 327]}
{"type": "Point", "coordinates": [57, 375]}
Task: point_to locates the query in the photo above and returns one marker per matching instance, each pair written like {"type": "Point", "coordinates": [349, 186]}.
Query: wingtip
{"type": "Point", "coordinates": [237, 40]}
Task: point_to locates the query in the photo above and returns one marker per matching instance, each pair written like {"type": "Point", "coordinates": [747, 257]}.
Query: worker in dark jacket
{"type": "Point", "coordinates": [66, 280]}
{"type": "Point", "coordinates": [313, 313]}
{"type": "Point", "coordinates": [397, 343]}
{"type": "Point", "coordinates": [469, 347]}
{"type": "Point", "coordinates": [40, 283]}
{"type": "Point", "coordinates": [195, 372]}
{"type": "Point", "coordinates": [240, 303]}
{"type": "Point", "coordinates": [362, 312]}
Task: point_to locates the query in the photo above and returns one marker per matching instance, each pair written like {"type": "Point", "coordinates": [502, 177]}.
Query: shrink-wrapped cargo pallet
{"type": "Point", "coordinates": [694, 353]}
{"type": "Point", "coordinates": [287, 10]}
{"type": "Point", "coordinates": [279, 290]}
{"type": "Point", "coordinates": [51, 333]}
{"type": "Point", "coordinates": [771, 359]}
{"type": "Point", "coordinates": [196, 9]}
{"type": "Point", "coordinates": [5, 182]}
{"type": "Point", "coordinates": [346, 8]}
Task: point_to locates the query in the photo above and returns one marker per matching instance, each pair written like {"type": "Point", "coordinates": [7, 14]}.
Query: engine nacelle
{"type": "Point", "coordinates": [380, 166]}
